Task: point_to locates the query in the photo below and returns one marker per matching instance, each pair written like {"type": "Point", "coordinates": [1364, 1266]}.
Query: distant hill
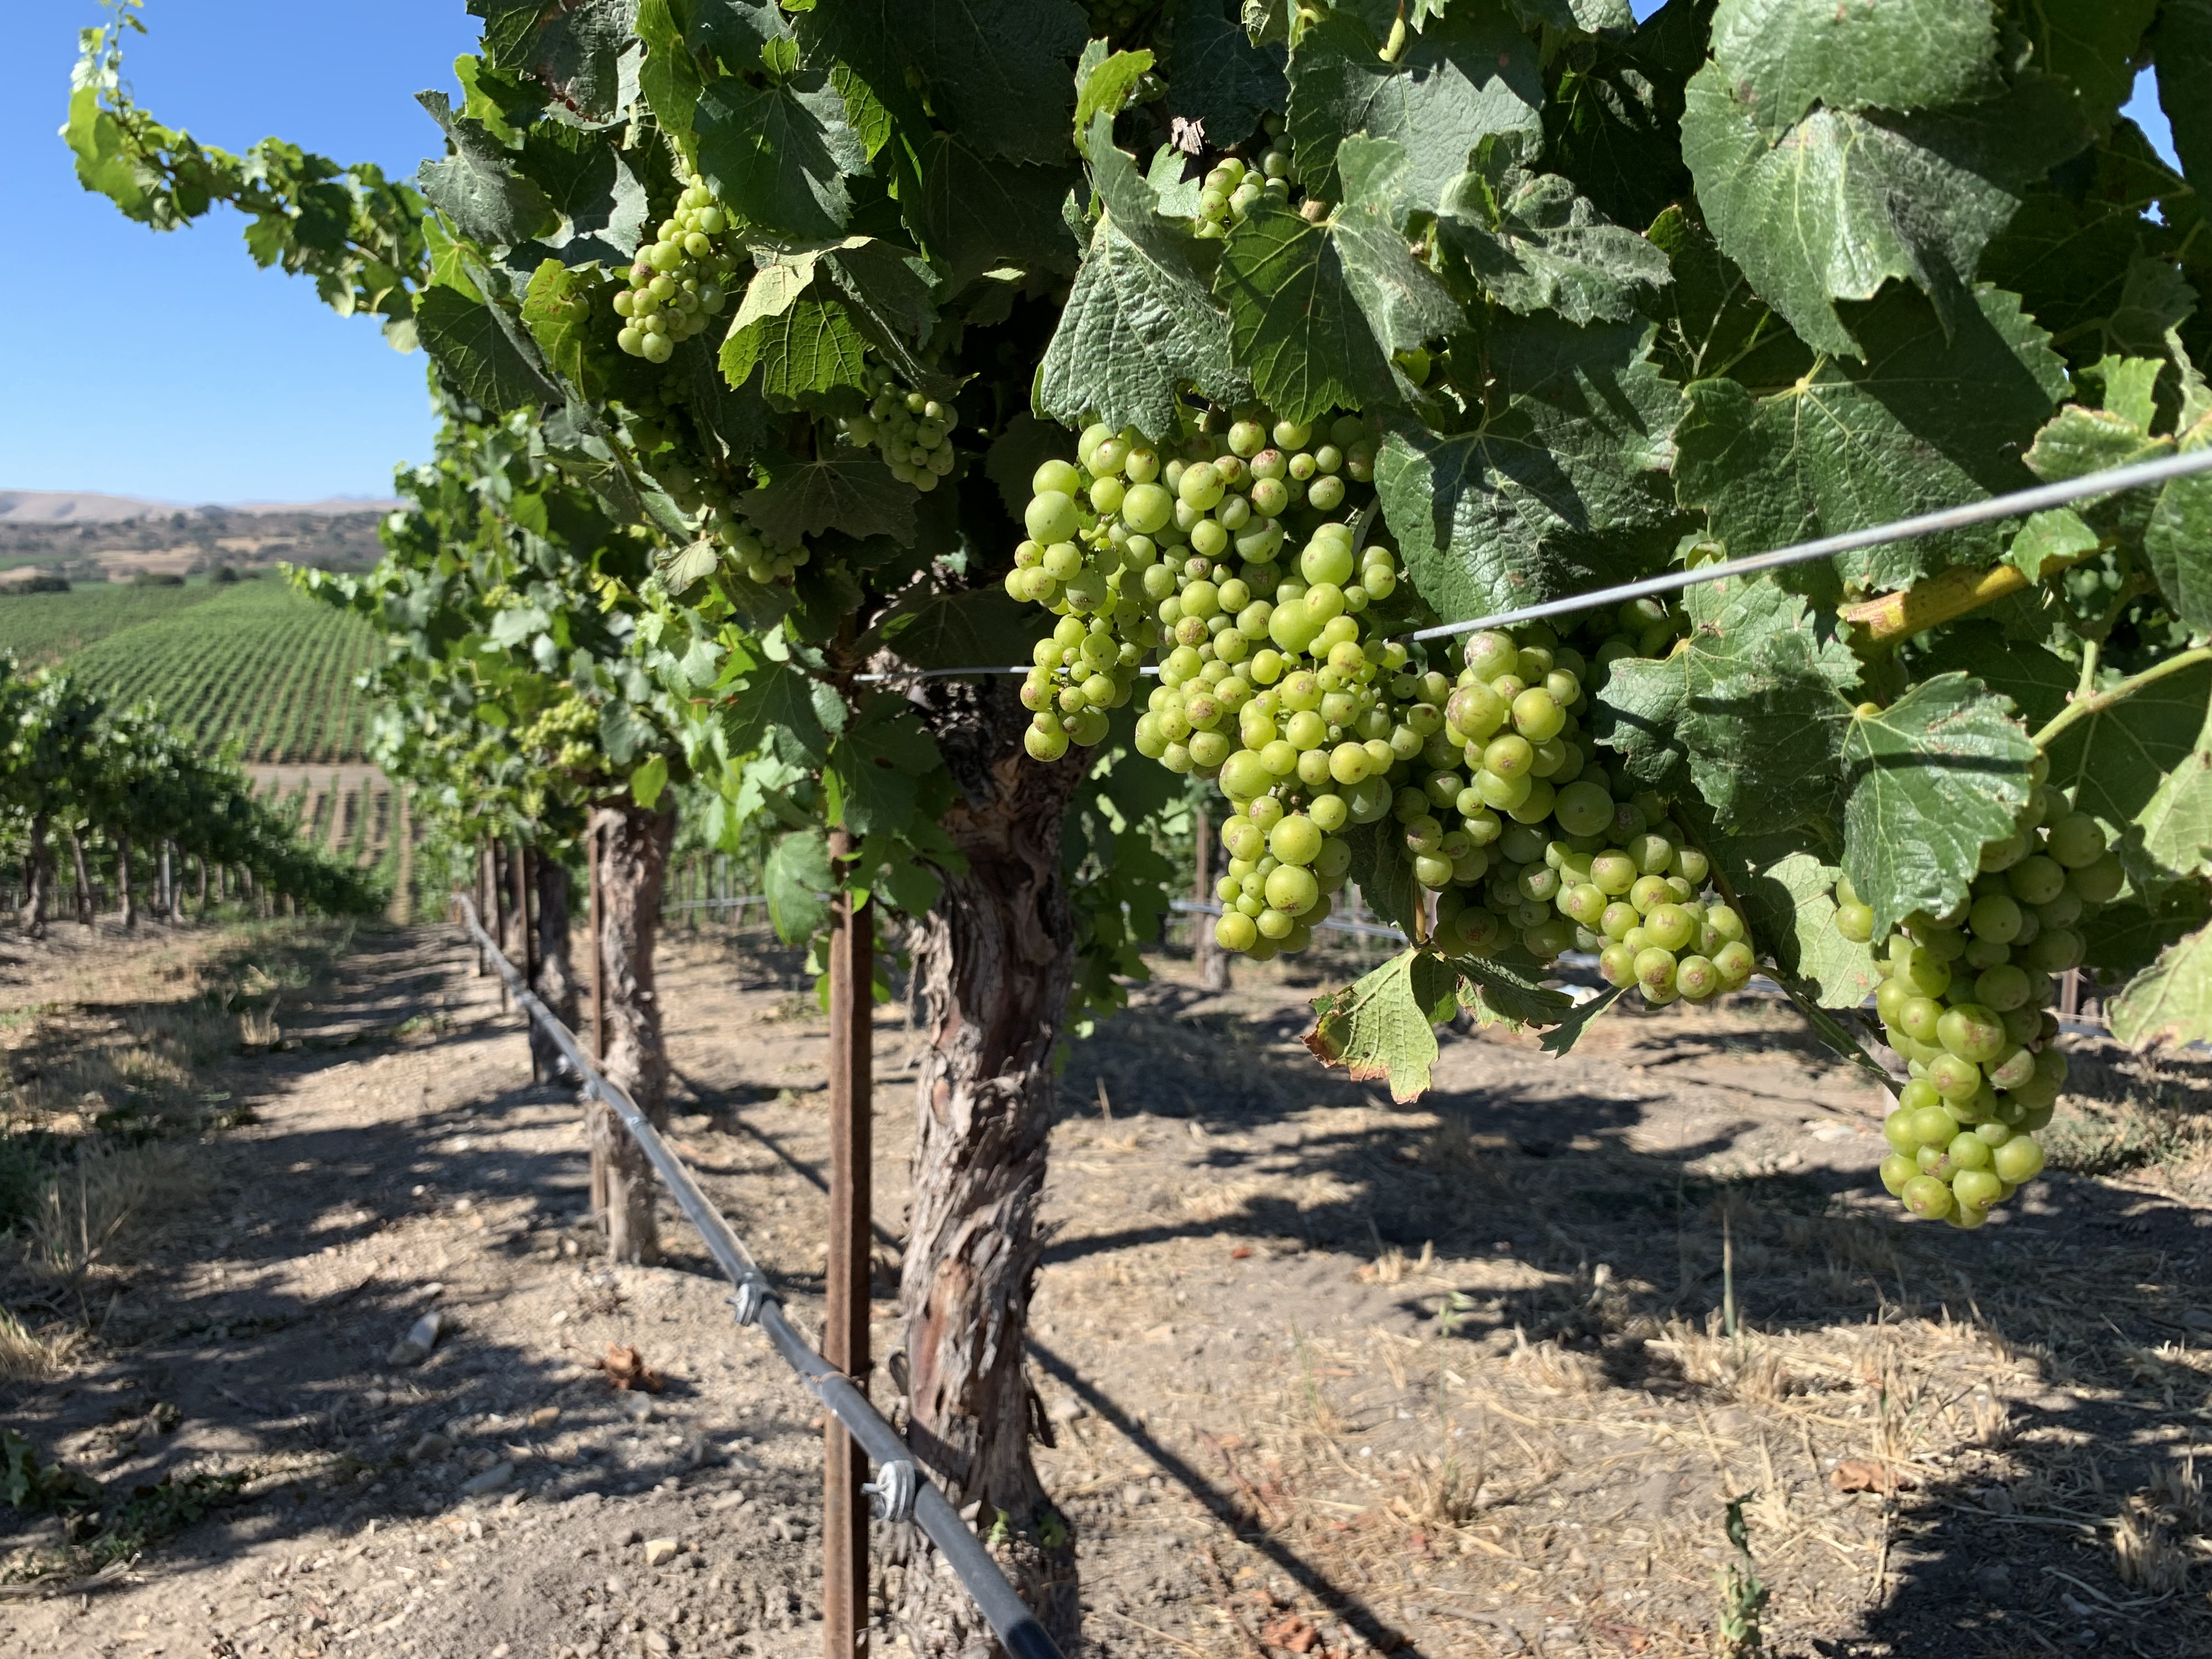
{"type": "Point", "coordinates": [63, 507]}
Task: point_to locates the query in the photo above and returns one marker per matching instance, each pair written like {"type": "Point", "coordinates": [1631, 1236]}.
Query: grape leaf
{"type": "Point", "coordinates": [1926, 422]}
{"type": "Point", "coordinates": [1532, 243]}
{"type": "Point", "coordinates": [474, 351]}
{"type": "Point", "coordinates": [2177, 822]}
{"type": "Point", "coordinates": [1785, 893]}
{"type": "Point", "coordinates": [1579, 1019]}
{"type": "Point", "coordinates": [1555, 495]}
{"type": "Point", "coordinates": [811, 345]}
{"type": "Point", "coordinates": [973, 214]}
{"type": "Point", "coordinates": [1711, 323]}
{"type": "Point", "coordinates": [1782, 56]}
{"type": "Point", "coordinates": [1102, 86]}
{"type": "Point", "coordinates": [1467, 74]}
{"type": "Point", "coordinates": [2170, 1001]}
{"type": "Point", "coordinates": [591, 185]}
{"type": "Point", "coordinates": [849, 489]}
{"type": "Point", "coordinates": [1315, 309]}
{"type": "Point", "coordinates": [2094, 44]}
{"type": "Point", "coordinates": [1811, 217]}
{"type": "Point", "coordinates": [796, 877]}
{"type": "Point", "coordinates": [2051, 541]}
{"type": "Point", "coordinates": [557, 308]}
{"type": "Point", "coordinates": [966, 629]}
{"type": "Point", "coordinates": [574, 51]}
{"type": "Point", "coordinates": [779, 154]}
{"type": "Point", "coordinates": [1385, 1025]}
{"type": "Point", "coordinates": [1929, 781]}
{"type": "Point", "coordinates": [1381, 873]}
{"type": "Point", "coordinates": [995, 71]}
{"type": "Point", "coordinates": [1141, 316]}
{"type": "Point", "coordinates": [1216, 76]}
{"type": "Point", "coordinates": [2118, 760]}
{"type": "Point", "coordinates": [1759, 703]}
{"type": "Point", "coordinates": [872, 778]}
{"type": "Point", "coordinates": [2179, 540]}
{"type": "Point", "coordinates": [477, 186]}
{"type": "Point", "coordinates": [2123, 939]}
{"type": "Point", "coordinates": [1583, 16]}
{"type": "Point", "coordinates": [1508, 988]}
{"type": "Point", "coordinates": [2181, 42]}
{"type": "Point", "coordinates": [1612, 123]}
{"type": "Point", "coordinates": [2037, 681]}
{"type": "Point", "coordinates": [1293, 318]}
{"type": "Point", "coordinates": [778, 707]}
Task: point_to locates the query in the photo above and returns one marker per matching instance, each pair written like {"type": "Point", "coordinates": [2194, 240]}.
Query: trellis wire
{"type": "Point", "coordinates": [2020, 502]}
{"type": "Point", "coordinates": [757, 1303]}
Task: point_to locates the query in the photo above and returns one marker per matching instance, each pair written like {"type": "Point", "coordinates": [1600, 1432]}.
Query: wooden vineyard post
{"type": "Point", "coordinates": [845, 1328]}
{"type": "Point", "coordinates": [1212, 960]}
{"type": "Point", "coordinates": [599, 957]}
{"type": "Point", "coordinates": [483, 910]}
{"type": "Point", "coordinates": [517, 871]}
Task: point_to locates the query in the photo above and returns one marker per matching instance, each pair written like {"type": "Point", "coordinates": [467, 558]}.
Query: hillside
{"type": "Point", "coordinates": [95, 538]}
{"type": "Point", "coordinates": [250, 661]}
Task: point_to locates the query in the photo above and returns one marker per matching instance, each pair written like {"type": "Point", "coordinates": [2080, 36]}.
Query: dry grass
{"type": "Point", "coordinates": [32, 1355]}
{"type": "Point", "coordinates": [101, 1201]}
{"type": "Point", "coordinates": [1747, 1367]}
{"type": "Point", "coordinates": [2144, 1553]}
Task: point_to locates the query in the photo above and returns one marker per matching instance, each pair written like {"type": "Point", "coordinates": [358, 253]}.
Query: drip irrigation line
{"type": "Point", "coordinates": [2020, 502]}
{"type": "Point", "coordinates": [898, 1481]}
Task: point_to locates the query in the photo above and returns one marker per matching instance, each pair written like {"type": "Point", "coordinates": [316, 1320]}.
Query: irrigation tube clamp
{"type": "Point", "coordinates": [898, 1487]}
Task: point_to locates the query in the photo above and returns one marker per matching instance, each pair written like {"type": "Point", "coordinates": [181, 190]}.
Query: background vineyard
{"type": "Point", "coordinates": [249, 661]}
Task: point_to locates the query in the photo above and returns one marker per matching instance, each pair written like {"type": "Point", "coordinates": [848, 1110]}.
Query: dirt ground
{"type": "Point", "coordinates": [1326, 1376]}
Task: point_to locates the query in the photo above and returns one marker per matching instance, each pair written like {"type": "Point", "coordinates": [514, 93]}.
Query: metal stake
{"type": "Point", "coordinates": [518, 879]}
{"type": "Point", "coordinates": [598, 952]}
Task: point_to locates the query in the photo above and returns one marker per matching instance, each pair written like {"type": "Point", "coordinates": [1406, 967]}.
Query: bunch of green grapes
{"type": "Point", "coordinates": [913, 433]}
{"type": "Point", "coordinates": [652, 428]}
{"type": "Point", "coordinates": [680, 281]}
{"type": "Point", "coordinates": [1965, 998]}
{"type": "Point", "coordinates": [1527, 837]}
{"type": "Point", "coordinates": [1231, 187]}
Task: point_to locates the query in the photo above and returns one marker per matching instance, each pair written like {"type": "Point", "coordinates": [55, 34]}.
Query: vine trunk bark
{"type": "Point", "coordinates": [126, 900]}
{"type": "Point", "coordinates": [633, 850]}
{"type": "Point", "coordinates": [83, 880]}
{"type": "Point", "coordinates": [556, 978]}
{"type": "Point", "coordinates": [33, 916]}
{"type": "Point", "coordinates": [993, 964]}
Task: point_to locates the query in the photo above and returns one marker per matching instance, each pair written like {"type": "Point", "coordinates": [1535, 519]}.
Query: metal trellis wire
{"type": "Point", "coordinates": [899, 1490]}
{"type": "Point", "coordinates": [2013, 505]}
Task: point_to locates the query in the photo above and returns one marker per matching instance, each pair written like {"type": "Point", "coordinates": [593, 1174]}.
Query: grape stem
{"type": "Point", "coordinates": [2082, 708]}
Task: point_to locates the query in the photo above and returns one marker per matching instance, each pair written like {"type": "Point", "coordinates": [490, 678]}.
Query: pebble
{"type": "Point", "coordinates": [414, 1348]}
{"type": "Point", "coordinates": [490, 1480]}
{"type": "Point", "coordinates": [431, 1445]}
{"type": "Point", "coordinates": [658, 1550]}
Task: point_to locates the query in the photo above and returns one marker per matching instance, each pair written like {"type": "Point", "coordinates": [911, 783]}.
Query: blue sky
{"type": "Point", "coordinates": [169, 366]}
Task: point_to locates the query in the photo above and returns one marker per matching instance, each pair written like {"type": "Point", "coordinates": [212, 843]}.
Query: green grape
{"type": "Point", "coordinates": [680, 282]}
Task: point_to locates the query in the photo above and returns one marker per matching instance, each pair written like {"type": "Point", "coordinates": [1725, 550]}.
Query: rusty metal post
{"type": "Point", "coordinates": [845, 1329]}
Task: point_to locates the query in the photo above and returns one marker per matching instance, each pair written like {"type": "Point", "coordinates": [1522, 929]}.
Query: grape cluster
{"type": "Point", "coordinates": [1965, 998]}
{"type": "Point", "coordinates": [680, 281]}
{"type": "Point", "coordinates": [1231, 187]}
{"type": "Point", "coordinates": [1551, 848]}
{"type": "Point", "coordinates": [913, 433]}
{"type": "Point", "coordinates": [654, 434]}
{"type": "Point", "coordinates": [1132, 547]}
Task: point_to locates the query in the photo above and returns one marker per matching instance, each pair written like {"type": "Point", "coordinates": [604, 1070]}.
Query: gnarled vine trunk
{"type": "Point", "coordinates": [83, 880]}
{"type": "Point", "coordinates": [125, 900]}
{"type": "Point", "coordinates": [555, 979]}
{"type": "Point", "coordinates": [32, 918]}
{"type": "Point", "coordinates": [992, 965]}
{"type": "Point", "coordinates": [633, 850]}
